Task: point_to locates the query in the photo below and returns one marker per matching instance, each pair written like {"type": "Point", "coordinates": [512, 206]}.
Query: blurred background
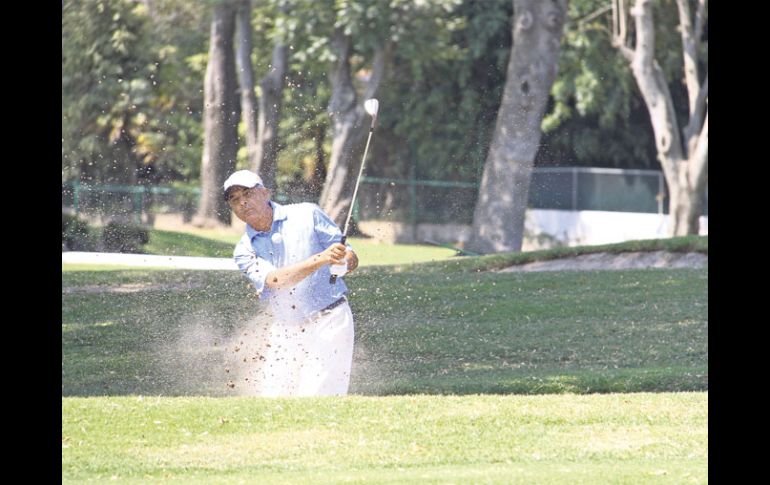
{"type": "Point", "coordinates": [478, 144]}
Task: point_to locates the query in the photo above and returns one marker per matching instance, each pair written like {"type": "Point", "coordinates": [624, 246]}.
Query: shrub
{"type": "Point", "coordinates": [77, 235]}
{"type": "Point", "coordinates": [124, 238]}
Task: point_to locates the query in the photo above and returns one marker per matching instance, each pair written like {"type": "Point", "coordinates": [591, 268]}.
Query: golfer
{"type": "Point", "coordinates": [286, 253]}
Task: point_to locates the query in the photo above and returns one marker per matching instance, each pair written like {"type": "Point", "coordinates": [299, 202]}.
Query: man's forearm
{"type": "Point", "coordinates": [289, 276]}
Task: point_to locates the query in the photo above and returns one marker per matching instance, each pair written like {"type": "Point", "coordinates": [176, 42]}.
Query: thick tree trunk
{"type": "Point", "coordinates": [350, 123]}
{"type": "Point", "coordinates": [498, 219]}
{"type": "Point", "coordinates": [221, 114]}
{"type": "Point", "coordinates": [265, 161]}
{"type": "Point", "coordinates": [243, 48]}
{"type": "Point", "coordinates": [687, 191]}
{"type": "Point", "coordinates": [687, 207]}
{"type": "Point", "coordinates": [270, 103]}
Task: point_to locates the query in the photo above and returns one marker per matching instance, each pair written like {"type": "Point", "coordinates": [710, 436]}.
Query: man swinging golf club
{"type": "Point", "coordinates": [287, 252]}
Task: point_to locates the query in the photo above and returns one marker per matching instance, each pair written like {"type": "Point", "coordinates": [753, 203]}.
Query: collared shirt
{"type": "Point", "coordinates": [298, 232]}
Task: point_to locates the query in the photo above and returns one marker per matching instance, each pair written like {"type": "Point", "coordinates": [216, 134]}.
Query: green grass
{"type": "Point", "coordinates": [460, 376]}
{"type": "Point", "coordinates": [171, 243]}
{"type": "Point", "coordinates": [617, 331]}
{"type": "Point", "coordinates": [428, 328]}
{"type": "Point", "coordinates": [372, 253]}
{"type": "Point", "coordinates": [615, 438]}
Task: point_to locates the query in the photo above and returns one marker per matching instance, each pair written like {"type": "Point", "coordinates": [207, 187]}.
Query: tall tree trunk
{"type": "Point", "coordinates": [688, 207]}
{"type": "Point", "coordinates": [263, 151]}
{"type": "Point", "coordinates": [221, 114]}
{"type": "Point", "coordinates": [350, 122]}
{"type": "Point", "coordinates": [498, 219]}
{"type": "Point", "coordinates": [683, 156]}
{"type": "Point", "coordinates": [243, 48]}
{"type": "Point", "coordinates": [270, 103]}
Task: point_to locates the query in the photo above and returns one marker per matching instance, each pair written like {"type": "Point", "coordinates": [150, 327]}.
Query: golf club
{"type": "Point", "coordinates": [371, 106]}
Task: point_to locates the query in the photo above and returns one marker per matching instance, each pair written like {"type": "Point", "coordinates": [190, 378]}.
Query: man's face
{"type": "Point", "coordinates": [248, 204]}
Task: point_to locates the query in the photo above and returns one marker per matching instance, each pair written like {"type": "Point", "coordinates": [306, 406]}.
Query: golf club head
{"type": "Point", "coordinates": [371, 106]}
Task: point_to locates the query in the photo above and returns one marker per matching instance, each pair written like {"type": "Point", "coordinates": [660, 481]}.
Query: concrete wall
{"type": "Point", "coordinates": [544, 228]}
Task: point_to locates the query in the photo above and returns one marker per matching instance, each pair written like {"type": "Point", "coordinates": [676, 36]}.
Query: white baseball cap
{"type": "Point", "coordinates": [243, 178]}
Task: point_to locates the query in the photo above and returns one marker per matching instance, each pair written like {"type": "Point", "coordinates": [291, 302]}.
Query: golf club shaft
{"type": "Point", "coordinates": [333, 278]}
{"type": "Point", "coordinates": [358, 181]}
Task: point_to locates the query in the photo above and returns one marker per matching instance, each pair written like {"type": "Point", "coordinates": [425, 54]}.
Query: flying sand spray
{"type": "Point", "coordinates": [371, 106]}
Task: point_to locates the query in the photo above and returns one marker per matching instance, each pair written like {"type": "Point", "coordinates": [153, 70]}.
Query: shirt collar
{"type": "Point", "coordinates": [279, 214]}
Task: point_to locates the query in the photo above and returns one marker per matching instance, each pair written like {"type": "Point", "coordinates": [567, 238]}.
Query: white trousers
{"type": "Point", "coordinates": [309, 358]}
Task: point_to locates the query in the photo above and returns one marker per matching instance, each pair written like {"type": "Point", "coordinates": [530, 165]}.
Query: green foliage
{"type": "Point", "coordinates": [446, 84]}
{"type": "Point", "coordinates": [77, 235]}
{"type": "Point", "coordinates": [171, 136]}
{"type": "Point", "coordinates": [597, 115]}
{"type": "Point", "coordinates": [103, 79]}
{"type": "Point", "coordinates": [132, 78]}
{"type": "Point", "coordinates": [417, 30]}
{"type": "Point", "coordinates": [121, 237]}
{"type": "Point", "coordinates": [131, 102]}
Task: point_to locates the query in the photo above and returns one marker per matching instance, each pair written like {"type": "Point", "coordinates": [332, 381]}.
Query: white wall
{"type": "Point", "coordinates": [599, 227]}
{"type": "Point", "coordinates": [544, 228]}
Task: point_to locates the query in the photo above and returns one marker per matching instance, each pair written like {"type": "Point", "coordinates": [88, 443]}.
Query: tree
{"type": "Point", "coordinates": [243, 50]}
{"type": "Point", "coordinates": [682, 152]}
{"type": "Point", "coordinates": [366, 36]}
{"type": "Point", "coordinates": [349, 125]}
{"type": "Point", "coordinates": [104, 71]}
{"type": "Point", "coordinates": [596, 116]}
{"type": "Point", "coordinates": [130, 73]}
{"type": "Point", "coordinates": [498, 219]}
{"type": "Point", "coordinates": [221, 115]}
{"type": "Point", "coordinates": [261, 116]}
{"type": "Point", "coordinates": [265, 160]}
{"type": "Point", "coordinates": [171, 139]}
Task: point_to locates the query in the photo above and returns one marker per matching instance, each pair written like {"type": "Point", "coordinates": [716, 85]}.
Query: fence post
{"type": "Point", "coordinates": [574, 188]}
{"type": "Point", "coordinates": [138, 201]}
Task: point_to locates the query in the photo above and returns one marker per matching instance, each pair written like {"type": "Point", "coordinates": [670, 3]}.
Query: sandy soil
{"type": "Point", "coordinates": [607, 261]}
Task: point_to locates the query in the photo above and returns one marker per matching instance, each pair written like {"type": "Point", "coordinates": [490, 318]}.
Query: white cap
{"type": "Point", "coordinates": [243, 178]}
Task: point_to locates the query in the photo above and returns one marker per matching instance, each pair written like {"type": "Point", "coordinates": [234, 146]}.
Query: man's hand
{"type": "Point", "coordinates": [352, 260]}
{"type": "Point", "coordinates": [334, 254]}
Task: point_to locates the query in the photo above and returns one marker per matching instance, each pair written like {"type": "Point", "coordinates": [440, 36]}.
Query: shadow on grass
{"type": "Point", "coordinates": [628, 380]}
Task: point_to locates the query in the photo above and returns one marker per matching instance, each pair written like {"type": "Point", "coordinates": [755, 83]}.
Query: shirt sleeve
{"type": "Point", "coordinates": [326, 230]}
{"type": "Point", "coordinates": [254, 267]}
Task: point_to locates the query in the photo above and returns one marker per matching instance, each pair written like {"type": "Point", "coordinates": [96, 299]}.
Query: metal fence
{"type": "Point", "coordinates": [412, 200]}
{"type": "Point", "coordinates": [133, 200]}
{"type": "Point", "coordinates": [562, 188]}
